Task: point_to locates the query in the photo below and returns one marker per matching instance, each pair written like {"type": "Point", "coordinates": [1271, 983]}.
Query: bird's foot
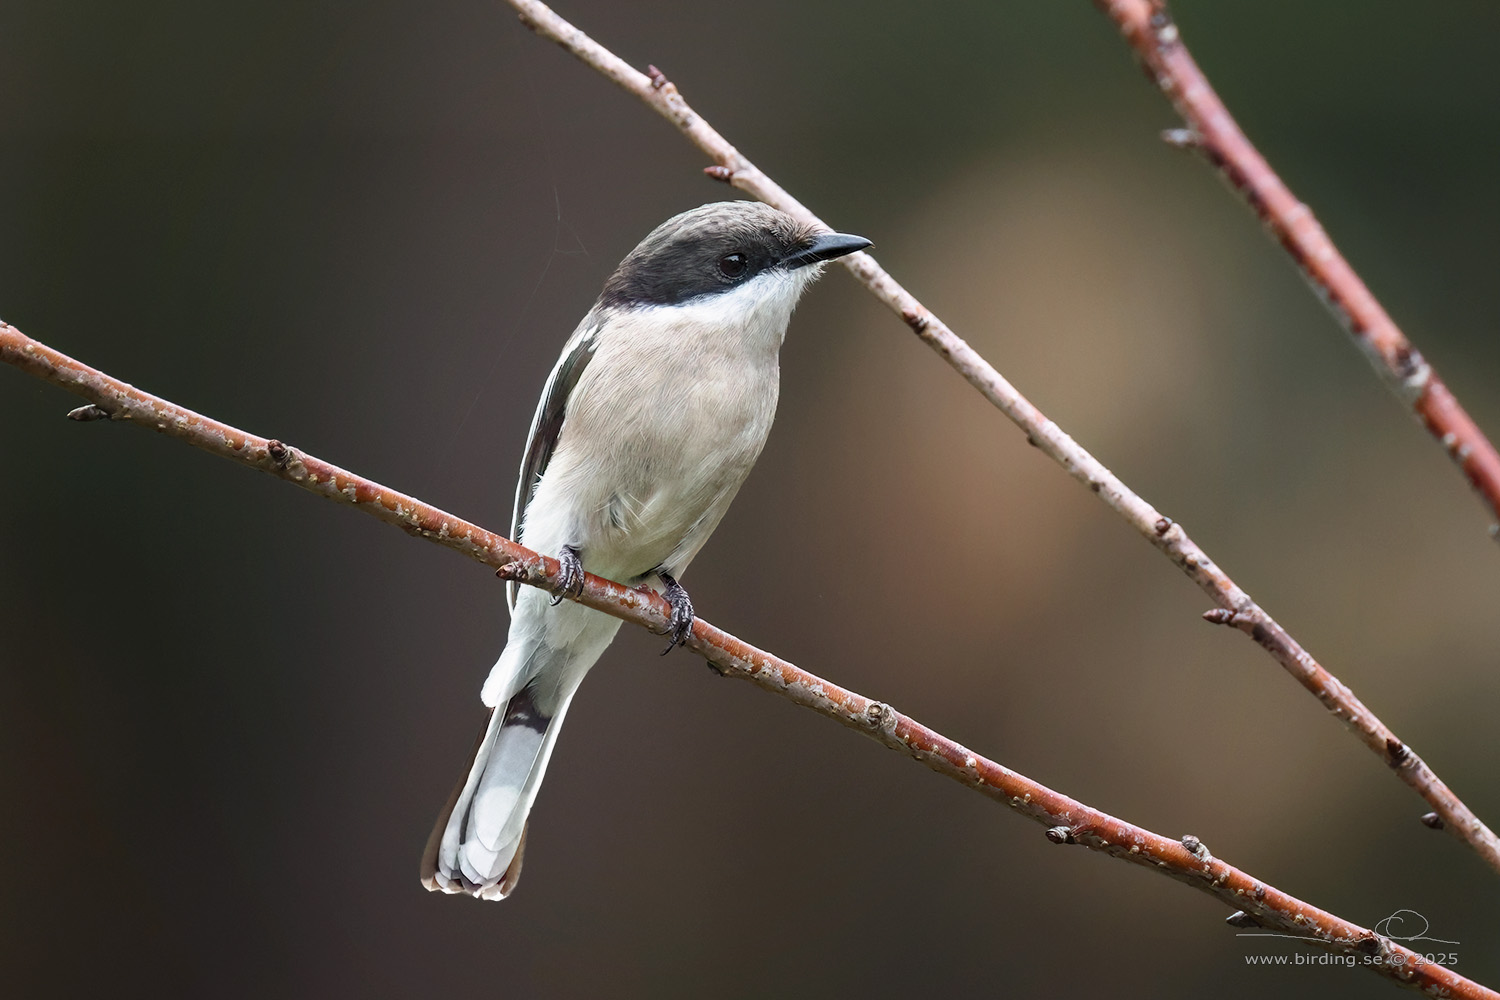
{"type": "Point", "coordinates": [569, 581]}
{"type": "Point", "coordinates": [680, 625]}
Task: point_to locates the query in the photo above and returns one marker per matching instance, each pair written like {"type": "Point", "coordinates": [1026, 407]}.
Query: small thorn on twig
{"type": "Point", "coordinates": [881, 716]}
{"type": "Point", "coordinates": [514, 571]}
{"type": "Point", "coordinates": [1239, 918]}
{"type": "Point", "coordinates": [1163, 525]}
{"type": "Point", "coordinates": [1182, 138]}
{"type": "Point", "coordinates": [88, 413]}
{"type": "Point", "coordinates": [1060, 835]}
{"type": "Point", "coordinates": [658, 78]}
{"type": "Point", "coordinates": [1432, 820]}
{"type": "Point", "coordinates": [1161, 23]}
{"type": "Point", "coordinates": [1408, 361]}
{"type": "Point", "coordinates": [279, 453]}
{"type": "Point", "coordinates": [719, 172]}
{"type": "Point", "coordinates": [1220, 616]}
{"type": "Point", "coordinates": [1396, 752]}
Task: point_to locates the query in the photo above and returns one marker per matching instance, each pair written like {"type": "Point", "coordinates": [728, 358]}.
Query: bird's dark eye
{"type": "Point", "coordinates": [733, 265]}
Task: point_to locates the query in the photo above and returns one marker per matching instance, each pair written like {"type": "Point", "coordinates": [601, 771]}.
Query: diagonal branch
{"type": "Point", "coordinates": [1148, 27]}
{"type": "Point", "coordinates": [1067, 820]}
{"type": "Point", "coordinates": [1234, 605]}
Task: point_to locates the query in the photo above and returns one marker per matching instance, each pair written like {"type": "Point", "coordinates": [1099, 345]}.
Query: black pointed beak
{"type": "Point", "coordinates": [826, 247]}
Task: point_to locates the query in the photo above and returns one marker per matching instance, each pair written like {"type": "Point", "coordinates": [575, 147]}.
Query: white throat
{"type": "Point", "coordinates": [756, 313]}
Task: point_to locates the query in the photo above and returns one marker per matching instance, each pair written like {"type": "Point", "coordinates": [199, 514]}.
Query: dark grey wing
{"type": "Point", "coordinates": [547, 424]}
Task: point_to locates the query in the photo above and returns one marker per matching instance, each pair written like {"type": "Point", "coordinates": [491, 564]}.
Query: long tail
{"type": "Point", "coordinates": [478, 841]}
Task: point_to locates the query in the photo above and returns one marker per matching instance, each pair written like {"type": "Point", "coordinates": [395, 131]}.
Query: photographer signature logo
{"type": "Point", "coordinates": [1395, 927]}
{"type": "Point", "coordinates": [1408, 927]}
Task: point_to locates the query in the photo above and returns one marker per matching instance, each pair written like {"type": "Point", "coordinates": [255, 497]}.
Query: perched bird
{"type": "Point", "coordinates": [649, 423]}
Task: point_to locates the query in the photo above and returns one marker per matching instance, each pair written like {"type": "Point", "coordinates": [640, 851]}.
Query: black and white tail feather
{"type": "Point", "coordinates": [478, 847]}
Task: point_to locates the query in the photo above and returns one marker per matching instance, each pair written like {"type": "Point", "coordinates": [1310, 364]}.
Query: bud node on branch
{"type": "Point", "coordinates": [88, 413]}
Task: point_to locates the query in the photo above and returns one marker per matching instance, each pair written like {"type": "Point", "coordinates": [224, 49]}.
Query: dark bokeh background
{"type": "Point", "coordinates": [229, 712]}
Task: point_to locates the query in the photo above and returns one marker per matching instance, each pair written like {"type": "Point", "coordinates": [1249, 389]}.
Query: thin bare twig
{"type": "Point", "coordinates": [1235, 606]}
{"type": "Point", "coordinates": [1148, 27]}
{"type": "Point", "coordinates": [1068, 821]}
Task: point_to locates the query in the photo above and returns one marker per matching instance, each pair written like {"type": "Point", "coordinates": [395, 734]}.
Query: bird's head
{"type": "Point", "coordinates": [742, 249]}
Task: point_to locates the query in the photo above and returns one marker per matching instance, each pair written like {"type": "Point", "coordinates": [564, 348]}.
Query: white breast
{"type": "Point", "coordinates": [663, 427]}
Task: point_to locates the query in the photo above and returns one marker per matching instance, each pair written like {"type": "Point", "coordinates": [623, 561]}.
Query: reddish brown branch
{"type": "Point", "coordinates": [1148, 27]}
{"type": "Point", "coordinates": [731, 166]}
{"type": "Point", "coordinates": [1067, 820]}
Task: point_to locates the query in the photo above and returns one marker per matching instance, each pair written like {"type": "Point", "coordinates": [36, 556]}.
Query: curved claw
{"type": "Point", "coordinates": [681, 624]}
{"type": "Point", "coordinates": [569, 576]}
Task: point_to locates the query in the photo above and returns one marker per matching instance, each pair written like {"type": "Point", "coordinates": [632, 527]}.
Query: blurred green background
{"type": "Point", "coordinates": [229, 712]}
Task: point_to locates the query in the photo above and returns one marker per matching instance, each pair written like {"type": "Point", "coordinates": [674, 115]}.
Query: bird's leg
{"type": "Point", "coordinates": [681, 624]}
{"type": "Point", "coordinates": [569, 575]}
